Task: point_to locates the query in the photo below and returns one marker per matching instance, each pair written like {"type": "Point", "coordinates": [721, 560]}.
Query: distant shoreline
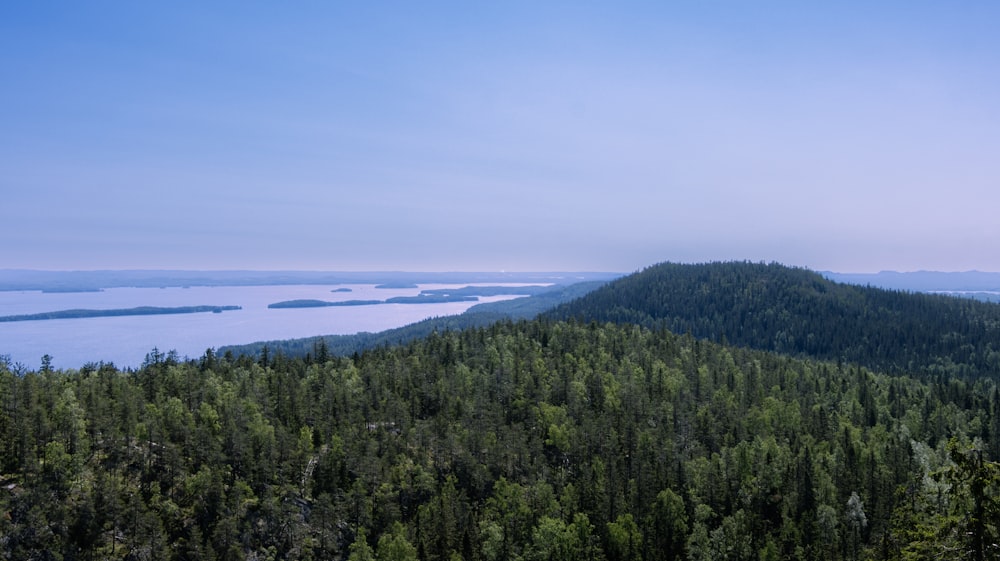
{"type": "Point", "coordinates": [420, 299]}
{"type": "Point", "coordinates": [70, 290]}
{"type": "Point", "coordinates": [139, 311]}
{"type": "Point", "coordinates": [88, 281]}
{"type": "Point", "coordinates": [287, 304]}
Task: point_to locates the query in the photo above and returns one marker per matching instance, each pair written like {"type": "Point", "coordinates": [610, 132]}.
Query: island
{"type": "Point", "coordinates": [306, 303]}
{"type": "Point", "coordinates": [421, 299]}
{"type": "Point", "coordinates": [399, 284]}
{"type": "Point", "coordinates": [69, 289]}
{"type": "Point", "coordinates": [430, 299]}
{"type": "Point", "coordinates": [342, 289]}
{"type": "Point", "coordinates": [529, 290]}
{"type": "Point", "coordinates": [139, 311]}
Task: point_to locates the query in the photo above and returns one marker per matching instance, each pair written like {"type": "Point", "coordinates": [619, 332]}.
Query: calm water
{"type": "Point", "coordinates": [126, 340]}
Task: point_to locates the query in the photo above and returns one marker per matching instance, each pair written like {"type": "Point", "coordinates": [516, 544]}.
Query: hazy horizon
{"type": "Point", "coordinates": [850, 137]}
{"type": "Point", "coordinates": [470, 271]}
{"type": "Point", "coordinates": [473, 271]}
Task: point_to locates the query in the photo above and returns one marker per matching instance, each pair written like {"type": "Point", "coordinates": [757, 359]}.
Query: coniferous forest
{"type": "Point", "coordinates": [798, 312]}
{"type": "Point", "coordinates": [572, 436]}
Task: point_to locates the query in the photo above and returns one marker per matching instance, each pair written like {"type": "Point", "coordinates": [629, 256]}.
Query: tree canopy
{"type": "Point", "coordinates": [532, 440]}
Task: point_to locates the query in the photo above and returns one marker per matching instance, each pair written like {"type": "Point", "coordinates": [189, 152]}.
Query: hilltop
{"type": "Point", "coordinates": [799, 312]}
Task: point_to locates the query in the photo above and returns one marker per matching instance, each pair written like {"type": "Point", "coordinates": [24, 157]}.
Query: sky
{"type": "Point", "coordinates": [520, 136]}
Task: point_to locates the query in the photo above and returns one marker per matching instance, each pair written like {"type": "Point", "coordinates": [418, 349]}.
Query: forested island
{"type": "Point", "coordinates": [488, 290]}
{"type": "Point", "coordinates": [70, 290]}
{"type": "Point", "coordinates": [430, 299]}
{"type": "Point", "coordinates": [428, 296]}
{"type": "Point", "coordinates": [421, 299]}
{"type": "Point", "coordinates": [593, 432]}
{"type": "Point", "coordinates": [138, 311]}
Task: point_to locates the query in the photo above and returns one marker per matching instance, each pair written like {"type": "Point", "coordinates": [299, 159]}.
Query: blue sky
{"type": "Point", "coordinates": [847, 136]}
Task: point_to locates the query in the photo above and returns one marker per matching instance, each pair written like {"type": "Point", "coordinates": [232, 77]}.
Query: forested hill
{"type": "Point", "coordinates": [529, 441]}
{"type": "Point", "coordinates": [526, 442]}
{"type": "Point", "coordinates": [797, 311]}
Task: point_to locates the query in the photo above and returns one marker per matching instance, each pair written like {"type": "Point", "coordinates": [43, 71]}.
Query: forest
{"type": "Point", "coordinates": [798, 312]}
{"type": "Point", "coordinates": [545, 439]}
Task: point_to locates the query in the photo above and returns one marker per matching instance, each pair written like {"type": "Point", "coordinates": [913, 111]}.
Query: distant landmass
{"type": "Point", "coordinates": [430, 299]}
{"type": "Point", "coordinates": [140, 311]}
{"type": "Point", "coordinates": [77, 281]}
{"type": "Point", "coordinates": [489, 290]}
{"type": "Point", "coordinates": [977, 285]}
{"type": "Point", "coordinates": [401, 284]}
{"type": "Point", "coordinates": [975, 295]}
{"type": "Point", "coordinates": [70, 290]}
{"type": "Point", "coordinates": [343, 289]}
{"type": "Point", "coordinates": [91, 281]}
{"type": "Point", "coordinates": [430, 296]}
{"type": "Point", "coordinates": [479, 315]}
{"type": "Point", "coordinates": [320, 303]}
{"type": "Point", "coordinates": [922, 281]}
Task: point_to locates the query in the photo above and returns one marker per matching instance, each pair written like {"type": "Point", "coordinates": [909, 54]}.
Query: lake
{"type": "Point", "coordinates": [125, 340]}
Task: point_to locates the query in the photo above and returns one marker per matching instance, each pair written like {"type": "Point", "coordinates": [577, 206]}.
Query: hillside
{"type": "Point", "coordinates": [540, 440]}
{"type": "Point", "coordinates": [529, 441]}
{"type": "Point", "coordinates": [480, 315]}
{"type": "Point", "coordinates": [799, 312]}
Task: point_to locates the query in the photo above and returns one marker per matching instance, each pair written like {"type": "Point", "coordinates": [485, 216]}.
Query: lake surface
{"type": "Point", "coordinates": [125, 340]}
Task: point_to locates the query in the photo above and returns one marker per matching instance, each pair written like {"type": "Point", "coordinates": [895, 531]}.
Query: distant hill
{"type": "Point", "coordinates": [923, 281]}
{"type": "Point", "coordinates": [799, 312]}
{"type": "Point", "coordinates": [969, 284]}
